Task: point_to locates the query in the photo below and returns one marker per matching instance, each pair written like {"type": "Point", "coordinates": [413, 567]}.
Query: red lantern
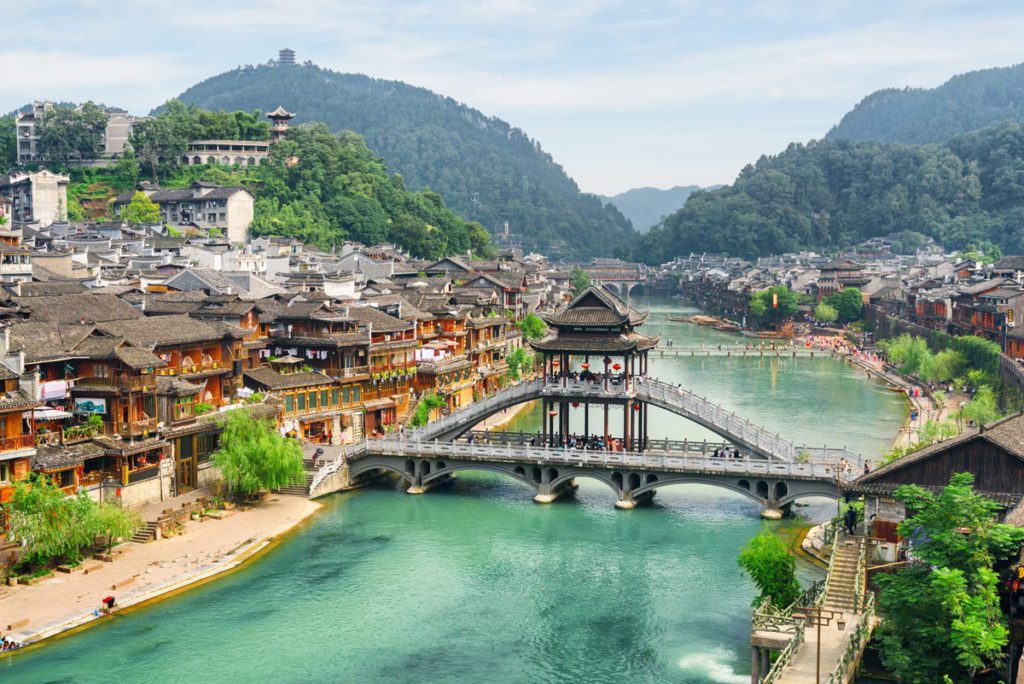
{"type": "Point", "coordinates": [584, 366]}
{"type": "Point", "coordinates": [617, 367]}
{"type": "Point", "coordinates": [555, 362]}
{"type": "Point", "coordinates": [552, 413]}
{"type": "Point", "coordinates": [636, 407]}
{"type": "Point", "coordinates": [607, 360]}
{"type": "Point", "coordinates": [575, 404]}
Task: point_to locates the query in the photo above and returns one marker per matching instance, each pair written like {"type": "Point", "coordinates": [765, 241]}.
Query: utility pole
{"type": "Point", "coordinates": [815, 616]}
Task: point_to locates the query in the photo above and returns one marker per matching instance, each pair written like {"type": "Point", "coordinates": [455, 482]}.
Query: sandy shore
{"type": "Point", "coordinates": [503, 418]}
{"type": "Point", "coordinates": [149, 571]}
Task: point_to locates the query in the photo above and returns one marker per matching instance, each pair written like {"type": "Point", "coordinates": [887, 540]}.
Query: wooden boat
{"type": "Point", "coordinates": [678, 319]}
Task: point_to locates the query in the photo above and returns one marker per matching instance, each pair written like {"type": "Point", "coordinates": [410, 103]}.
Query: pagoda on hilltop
{"type": "Point", "coordinates": [279, 119]}
{"type": "Point", "coordinates": [597, 326]}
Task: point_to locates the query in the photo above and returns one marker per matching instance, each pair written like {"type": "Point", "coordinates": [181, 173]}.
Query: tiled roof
{"type": "Point", "coordinates": [153, 331]}
{"type": "Point", "coordinates": [73, 308]}
{"type": "Point", "coordinates": [274, 380]}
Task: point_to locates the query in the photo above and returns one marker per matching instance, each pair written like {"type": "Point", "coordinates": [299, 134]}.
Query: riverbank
{"type": "Point", "coordinates": [149, 572]}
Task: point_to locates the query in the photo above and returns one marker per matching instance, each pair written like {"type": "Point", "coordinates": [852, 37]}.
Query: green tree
{"type": "Point", "coordinates": [982, 408]}
{"type": "Point", "coordinates": [53, 525]}
{"type": "Point", "coordinates": [848, 303]}
{"type": "Point", "coordinates": [768, 562]}
{"type": "Point", "coordinates": [253, 457]}
{"type": "Point", "coordinates": [141, 210]}
{"type": "Point", "coordinates": [942, 367]}
{"type": "Point", "coordinates": [942, 614]}
{"type": "Point", "coordinates": [111, 522]}
{"type": "Point", "coordinates": [518, 362]}
{"type": "Point", "coordinates": [8, 142]}
{"type": "Point", "coordinates": [825, 313]}
{"type": "Point", "coordinates": [774, 305]}
{"type": "Point", "coordinates": [428, 402]}
{"type": "Point", "coordinates": [909, 354]}
{"type": "Point", "coordinates": [67, 133]}
{"type": "Point", "coordinates": [533, 326]}
{"type": "Point", "coordinates": [579, 279]}
{"type": "Point", "coordinates": [126, 170]}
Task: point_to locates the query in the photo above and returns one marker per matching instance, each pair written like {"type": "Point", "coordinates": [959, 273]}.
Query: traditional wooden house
{"type": "Point", "coordinates": [203, 352]}
{"type": "Point", "coordinates": [393, 345]}
{"type": "Point", "coordinates": [994, 455]}
{"type": "Point", "coordinates": [315, 407]}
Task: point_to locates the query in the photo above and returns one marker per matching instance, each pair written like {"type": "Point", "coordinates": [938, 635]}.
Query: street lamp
{"type": "Point", "coordinates": [816, 617]}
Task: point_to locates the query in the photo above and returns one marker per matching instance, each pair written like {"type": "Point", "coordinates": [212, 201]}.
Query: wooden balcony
{"type": "Point", "coordinates": [15, 443]}
{"type": "Point", "coordinates": [137, 427]}
{"type": "Point", "coordinates": [132, 383]}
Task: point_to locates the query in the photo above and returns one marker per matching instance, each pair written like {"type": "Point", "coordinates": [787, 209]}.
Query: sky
{"type": "Point", "coordinates": [622, 94]}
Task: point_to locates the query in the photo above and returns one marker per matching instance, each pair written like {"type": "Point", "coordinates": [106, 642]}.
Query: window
{"type": "Point", "coordinates": [334, 397]}
{"type": "Point", "coordinates": [344, 395]}
{"type": "Point", "coordinates": [323, 398]}
{"type": "Point", "coordinates": [5, 471]}
{"type": "Point", "coordinates": [302, 400]}
{"type": "Point", "coordinates": [355, 393]}
{"type": "Point", "coordinates": [206, 444]}
{"type": "Point", "coordinates": [289, 403]}
{"type": "Point", "coordinates": [183, 407]}
{"type": "Point", "coordinates": [312, 400]}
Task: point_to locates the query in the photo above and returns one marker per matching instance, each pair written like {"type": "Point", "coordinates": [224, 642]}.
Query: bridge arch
{"type": "Point", "coordinates": [355, 470]}
{"type": "Point", "coordinates": [452, 469]}
{"type": "Point", "coordinates": [667, 481]}
{"type": "Point", "coordinates": [600, 476]}
{"type": "Point", "coordinates": [803, 494]}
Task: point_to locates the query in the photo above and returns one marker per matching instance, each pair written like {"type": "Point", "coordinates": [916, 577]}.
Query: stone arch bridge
{"type": "Point", "coordinates": [633, 477]}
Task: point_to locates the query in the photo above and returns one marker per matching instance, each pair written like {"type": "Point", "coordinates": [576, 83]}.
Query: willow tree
{"type": "Point", "coordinates": [253, 457]}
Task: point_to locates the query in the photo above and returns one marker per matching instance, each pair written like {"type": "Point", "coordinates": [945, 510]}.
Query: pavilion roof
{"type": "Point", "coordinates": [595, 307]}
{"type": "Point", "coordinates": [596, 344]}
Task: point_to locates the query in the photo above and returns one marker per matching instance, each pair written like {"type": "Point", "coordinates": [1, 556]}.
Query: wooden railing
{"type": "Point", "coordinates": [19, 442]}
{"type": "Point", "coordinates": [855, 646]}
{"type": "Point", "coordinates": [137, 427]}
{"type": "Point", "coordinates": [132, 383]}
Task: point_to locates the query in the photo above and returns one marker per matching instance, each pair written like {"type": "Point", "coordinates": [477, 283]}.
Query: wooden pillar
{"type": "Point", "coordinates": [606, 440]}
{"type": "Point", "coordinates": [563, 411]}
{"type": "Point", "coordinates": [586, 419]}
{"type": "Point", "coordinates": [632, 425]}
{"type": "Point", "coordinates": [544, 419]}
{"type": "Point", "coordinates": [625, 425]}
{"type": "Point", "coordinates": [645, 409]}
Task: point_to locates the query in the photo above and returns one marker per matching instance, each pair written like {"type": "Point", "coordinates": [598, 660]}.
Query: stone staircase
{"type": "Point", "coordinates": [842, 585]}
{"type": "Point", "coordinates": [146, 533]}
{"type": "Point", "coordinates": [302, 488]}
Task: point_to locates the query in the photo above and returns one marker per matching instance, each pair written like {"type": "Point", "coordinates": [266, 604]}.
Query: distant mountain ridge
{"type": "Point", "coordinates": [645, 207]}
{"type": "Point", "coordinates": [484, 168]}
{"type": "Point", "coordinates": [965, 103]}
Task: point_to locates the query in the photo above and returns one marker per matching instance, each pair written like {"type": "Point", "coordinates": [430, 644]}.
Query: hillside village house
{"type": "Point", "coordinates": [203, 205]}
{"type": "Point", "coordinates": [39, 198]}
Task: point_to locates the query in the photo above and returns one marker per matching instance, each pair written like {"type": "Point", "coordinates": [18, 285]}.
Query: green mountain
{"type": "Point", "coordinates": [644, 207]}
{"type": "Point", "coordinates": [835, 193]}
{"type": "Point", "coordinates": [964, 103]}
{"type": "Point", "coordinates": [484, 168]}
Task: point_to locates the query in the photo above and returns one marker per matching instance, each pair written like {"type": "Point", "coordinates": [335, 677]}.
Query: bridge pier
{"type": "Point", "coordinates": [547, 494]}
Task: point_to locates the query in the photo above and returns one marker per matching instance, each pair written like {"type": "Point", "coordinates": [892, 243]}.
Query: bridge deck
{"type": "Point", "coordinates": [751, 438]}
{"type": "Point", "coordinates": [654, 461]}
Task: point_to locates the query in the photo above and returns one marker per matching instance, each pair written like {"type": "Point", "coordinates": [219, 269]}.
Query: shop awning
{"type": "Point", "coordinates": [43, 414]}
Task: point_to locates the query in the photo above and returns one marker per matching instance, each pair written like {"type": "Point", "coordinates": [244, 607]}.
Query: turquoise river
{"type": "Point", "coordinates": [476, 583]}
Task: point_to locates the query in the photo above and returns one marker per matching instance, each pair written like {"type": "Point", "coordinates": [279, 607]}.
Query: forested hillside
{"type": "Point", "coordinates": [919, 115]}
{"type": "Point", "coordinates": [831, 194]}
{"type": "Point", "coordinates": [317, 186]}
{"type": "Point", "coordinates": [644, 207]}
{"type": "Point", "coordinates": [484, 168]}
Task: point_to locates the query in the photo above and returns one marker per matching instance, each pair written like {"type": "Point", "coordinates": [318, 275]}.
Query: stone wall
{"type": "Point", "coordinates": [207, 475]}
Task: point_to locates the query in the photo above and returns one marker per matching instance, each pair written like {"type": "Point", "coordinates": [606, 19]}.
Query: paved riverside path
{"type": "Point", "coordinates": [833, 644]}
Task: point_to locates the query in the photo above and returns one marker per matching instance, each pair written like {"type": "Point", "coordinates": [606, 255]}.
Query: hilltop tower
{"type": "Point", "coordinates": [279, 119]}
{"type": "Point", "coordinates": [286, 56]}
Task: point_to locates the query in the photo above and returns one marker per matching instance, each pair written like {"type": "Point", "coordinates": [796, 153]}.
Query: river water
{"type": "Point", "coordinates": [475, 583]}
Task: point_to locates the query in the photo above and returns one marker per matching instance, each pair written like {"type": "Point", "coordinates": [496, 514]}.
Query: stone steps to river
{"type": "Point", "coordinates": [146, 533]}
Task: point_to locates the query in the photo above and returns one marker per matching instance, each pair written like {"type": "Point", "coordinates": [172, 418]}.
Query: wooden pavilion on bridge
{"type": "Point", "coordinates": [596, 325]}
